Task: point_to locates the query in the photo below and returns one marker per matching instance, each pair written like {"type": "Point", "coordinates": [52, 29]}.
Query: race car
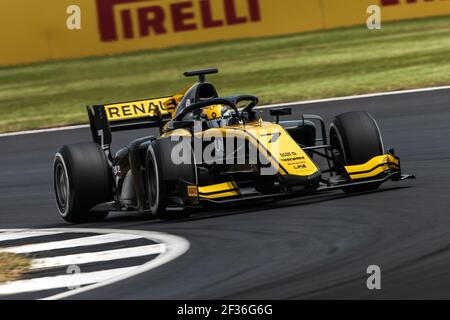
{"type": "Point", "coordinates": [214, 151]}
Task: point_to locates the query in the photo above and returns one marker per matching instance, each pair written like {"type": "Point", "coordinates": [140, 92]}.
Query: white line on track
{"type": "Point", "coordinates": [174, 247]}
{"type": "Point", "coordinates": [110, 255]}
{"type": "Point", "coordinates": [362, 96]}
{"type": "Point", "coordinates": [19, 133]}
{"type": "Point", "coordinates": [63, 281]}
{"type": "Point", "coordinates": [72, 243]}
{"type": "Point", "coordinates": [6, 236]}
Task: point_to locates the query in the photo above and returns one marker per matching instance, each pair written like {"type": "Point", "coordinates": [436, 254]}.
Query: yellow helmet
{"type": "Point", "coordinates": [213, 112]}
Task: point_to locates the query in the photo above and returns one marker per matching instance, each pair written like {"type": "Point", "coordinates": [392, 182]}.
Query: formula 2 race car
{"type": "Point", "coordinates": [214, 151]}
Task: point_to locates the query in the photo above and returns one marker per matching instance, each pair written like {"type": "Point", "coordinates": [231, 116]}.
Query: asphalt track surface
{"type": "Point", "coordinates": [317, 247]}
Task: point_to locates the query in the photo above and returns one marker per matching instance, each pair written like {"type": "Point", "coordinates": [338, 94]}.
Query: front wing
{"type": "Point", "coordinates": [378, 170]}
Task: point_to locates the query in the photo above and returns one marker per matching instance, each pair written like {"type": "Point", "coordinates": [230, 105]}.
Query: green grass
{"type": "Point", "coordinates": [348, 61]}
{"type": "Point", "coordinates": [12, 266]}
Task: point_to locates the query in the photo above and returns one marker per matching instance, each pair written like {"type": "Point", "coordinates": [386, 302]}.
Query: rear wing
{"type": "Point", "coordinates": [150, 113]}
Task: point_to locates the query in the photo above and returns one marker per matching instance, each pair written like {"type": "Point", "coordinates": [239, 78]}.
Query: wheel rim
{"type": "Point", "coordinates": [61, 186]}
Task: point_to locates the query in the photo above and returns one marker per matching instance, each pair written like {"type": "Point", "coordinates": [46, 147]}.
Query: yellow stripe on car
{"type": "Point", "coordinates": [222, 190]}
{"type": "Point", "coordinates": [220, 195]}
{"type": "Point", "coordinates": [373, 167]}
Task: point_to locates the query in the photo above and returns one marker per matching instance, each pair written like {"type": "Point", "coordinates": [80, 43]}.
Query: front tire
{"type": "Point", "coordinates": [355, 138]}
{"type": "Point", "coordinates": [157, 185]}
{"type": "Point", "coordinates": [81, 180]}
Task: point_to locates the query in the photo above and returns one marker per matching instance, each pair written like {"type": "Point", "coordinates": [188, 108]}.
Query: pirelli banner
{"type": "Point", "coordinates": [33, 30]}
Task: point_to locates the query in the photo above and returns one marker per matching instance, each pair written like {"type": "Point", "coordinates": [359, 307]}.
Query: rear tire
{"type": "Point", "coordinates": [355, 139]}
{"type": "Point", "coordinates": [81, 180]}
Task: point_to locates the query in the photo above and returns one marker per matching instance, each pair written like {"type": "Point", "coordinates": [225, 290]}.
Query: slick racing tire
{"type": "Point", "coordinates": [355, 138]}
{"type": "Point", "coordinates": [157, 184]}
{"type": "Point", "coordinates": [81, 180]}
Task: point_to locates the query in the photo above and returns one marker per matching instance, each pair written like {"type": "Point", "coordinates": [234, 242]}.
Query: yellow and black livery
{"type": "Point", "coordinates": [273, 155]}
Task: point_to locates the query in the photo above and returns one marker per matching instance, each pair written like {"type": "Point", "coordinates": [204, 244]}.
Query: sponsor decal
{"type": "Point", "coordinates": [293, 159]}
{"type": "Point", "coordinates": [192, 191]}
{"type": "Point", "coordinates": [145, 18]}
{"type": "Point", "coordinates": [137, 109]}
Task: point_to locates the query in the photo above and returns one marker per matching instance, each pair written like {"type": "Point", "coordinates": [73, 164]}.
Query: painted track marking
{"type": "Point", "coordinates": [82, 258]}
{"type": "Point", "coordinates": [73, 243]}
{"type": "Point", "coordinates": [166, 248]}
{"type": "Point", "coordinates": [6, 236]}
{"type": "Point", "coordinates": [62, 281]}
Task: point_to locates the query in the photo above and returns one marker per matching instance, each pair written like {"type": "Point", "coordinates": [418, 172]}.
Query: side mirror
{"type": "Point", "coordinates": [280, 112]}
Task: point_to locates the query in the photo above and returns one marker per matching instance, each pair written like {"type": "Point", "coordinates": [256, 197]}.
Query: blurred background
{"type": "Point", "coordinates": [57, 56]}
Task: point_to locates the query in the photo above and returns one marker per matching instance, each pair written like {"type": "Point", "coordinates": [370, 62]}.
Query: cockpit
{"type": "Point", "coordinates": [203, 103]}
{"type": "Point", "coordinates": [215, 116]}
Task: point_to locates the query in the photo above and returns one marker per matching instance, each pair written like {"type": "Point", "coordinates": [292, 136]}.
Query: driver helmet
{"type": "Point", "coordinates": [216, 115]}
